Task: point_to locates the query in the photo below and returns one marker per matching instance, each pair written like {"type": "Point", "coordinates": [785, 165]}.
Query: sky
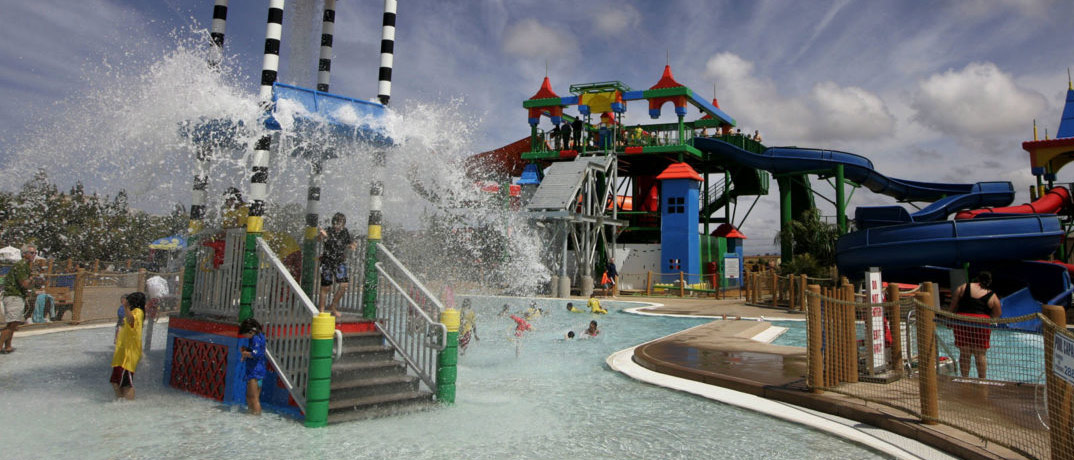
{"type": "Point", "coordinates": [930, 91]}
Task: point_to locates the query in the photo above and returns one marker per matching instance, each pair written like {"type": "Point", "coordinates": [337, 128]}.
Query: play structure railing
{"type": "Point", "coordinates": [908, 354]}
{"type": "Point", "coordinates": [351, 299]}
{"type": "Point", "coordinates": [408, 316]}
{"type": "Point", "coordinates": [219, 281]}
{"type": "Point", "coordinates": [285, 313]}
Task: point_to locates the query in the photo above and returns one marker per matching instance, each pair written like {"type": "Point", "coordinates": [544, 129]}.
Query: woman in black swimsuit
{"type": "Point", "coordinates": [974, 300]}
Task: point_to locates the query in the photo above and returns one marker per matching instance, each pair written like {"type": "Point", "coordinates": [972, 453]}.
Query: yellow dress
{"type": "Point", "coordinates": [129, 344]}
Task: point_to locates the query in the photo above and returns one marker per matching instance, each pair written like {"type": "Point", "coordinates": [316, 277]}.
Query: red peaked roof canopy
{"type": "Point", "coordinates": [679, 171]}
{"type": "Point", "coordinates": [667, 80]}
{"type": "Point", "coordinates": [728, 231]}
{"type": "Point", "coordinates": [546, 91]}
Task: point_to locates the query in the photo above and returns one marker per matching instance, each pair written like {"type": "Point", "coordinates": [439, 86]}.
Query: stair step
{"type": "Point", "coordinates": [387, 410]}
{"type": "Point", "coordinates": [367, 369]}
{"type": "Point", "coordinates": [371, 401]}
{"type": "Point", "coordinates": [375, 381]}
{"type": "Point", "coordinates": [362, 349]}
{"type": "Point", "coordinates": [362, 339]}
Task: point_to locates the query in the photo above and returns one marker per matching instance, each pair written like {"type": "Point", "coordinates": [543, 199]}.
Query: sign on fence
{"type": "Point", "coordinates": [1063, 358]}
{"type": "Point", "coordinates": [875, 289]}
{"type": "Point", "coordinates": [730, 268]}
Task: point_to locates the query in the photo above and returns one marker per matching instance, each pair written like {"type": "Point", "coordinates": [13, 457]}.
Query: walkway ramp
{"type": "Point", "coordinates": [563, 181]}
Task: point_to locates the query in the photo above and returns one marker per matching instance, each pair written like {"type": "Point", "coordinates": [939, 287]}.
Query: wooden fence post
{"type": "Point", "coordinates": [80, 283]}
{"type": "Point", "coordinates": [96, 265]}
{"type": "Point", "coordinates": [895, 324]}
{"type": "Point", "coordinates": [649, 284]}
{"type": "Point", "coordinates": [141, 279]}
{"type": "Point", "coordinates": [802, 286]}
{"type": "Point", "coordinates": [682, 284]}
{"type": "Point", "coordinates": [851, 340]}
{"type": "Point", "coordinates": [926, 363]}
{"type": "Point", "coordinates": [813, 343]}
{"type": "Point", "coordinates": [775, 287]}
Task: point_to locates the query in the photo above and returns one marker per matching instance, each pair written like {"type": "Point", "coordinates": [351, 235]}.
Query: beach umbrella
{"type": "Point", "coordinates": [169, 243]}
{"type": "Point", "coordinates": [10, 254]}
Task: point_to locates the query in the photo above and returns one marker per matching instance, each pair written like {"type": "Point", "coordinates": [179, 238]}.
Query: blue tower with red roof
{"type": "Point", "coordinates": [680, 248]}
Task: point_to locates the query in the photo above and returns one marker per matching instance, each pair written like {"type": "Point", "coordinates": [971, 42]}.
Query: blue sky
{"type": "Point", "coordinates": [942, 91]}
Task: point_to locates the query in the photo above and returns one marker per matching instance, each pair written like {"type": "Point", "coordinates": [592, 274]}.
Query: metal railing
{"type": "Point", "coordinates": [286, 314]}
{"type": "Point", "coordinates": [408, 316]}
{"type": "Point", "coordinates": [217, 288]}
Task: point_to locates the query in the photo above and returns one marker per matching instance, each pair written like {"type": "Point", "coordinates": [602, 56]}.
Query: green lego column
{"type": "Point", "coordinates": [840, 199]}
{"type": "Point", "coordinates": [320, 370]}
{"type": "Point", "coordinates": [249, 271]}
{"type": "Point", "coordinates": [446, 370]}
{"type": "Point", "coordinates": [785, 217]}
{"type": "Point", "coordinates": [190, 271]}
{"type": "Point", "coordinates": [373, 236]}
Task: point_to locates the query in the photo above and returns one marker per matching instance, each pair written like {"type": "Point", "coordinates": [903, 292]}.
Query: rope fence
{"type": "Point", "coordinates": [990, 377]}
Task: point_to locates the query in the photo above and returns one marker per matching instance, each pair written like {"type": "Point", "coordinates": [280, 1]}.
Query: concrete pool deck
{"type": "Point", "coordinates": [725, 354]}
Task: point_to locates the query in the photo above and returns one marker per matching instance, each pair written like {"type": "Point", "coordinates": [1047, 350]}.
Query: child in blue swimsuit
{"type": "Point", "coordinates": [253, 356]}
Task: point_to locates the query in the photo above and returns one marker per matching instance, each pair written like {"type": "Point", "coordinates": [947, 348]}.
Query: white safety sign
{"type": "Point", "coordinates": [1063, 358]}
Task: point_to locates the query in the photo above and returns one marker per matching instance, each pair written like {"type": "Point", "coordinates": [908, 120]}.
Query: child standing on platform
{"type": "Point", "coordinates": [253, 356]}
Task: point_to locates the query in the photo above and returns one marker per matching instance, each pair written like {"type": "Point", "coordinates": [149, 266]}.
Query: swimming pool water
{"type": "Point", "coordinates": [556, 400]}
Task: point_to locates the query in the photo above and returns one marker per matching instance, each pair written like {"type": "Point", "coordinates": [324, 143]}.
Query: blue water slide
{"type": "Point", "coordinates": [980, 195]}
{"type": "Point", "coordinates": [949, 243]}
{"type": "Point", "coordinates": [856, 168]}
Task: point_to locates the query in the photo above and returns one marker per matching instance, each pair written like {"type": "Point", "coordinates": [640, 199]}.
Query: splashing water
{"type": "Point", "coordinates": [132, 134]}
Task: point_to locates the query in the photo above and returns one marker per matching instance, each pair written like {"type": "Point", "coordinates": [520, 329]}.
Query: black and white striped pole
{"type": "Point", "coordinates": [376, 188]}
{"type": "Point", "coordinates": [313, 194]}
{"type": "Point", "coordinates": [260, 160]}
{"type": "Point", "coordinates": [216, 31]}
{"type": "Point", "coordinates": [202, 155]}
{"type": "Point", "coordinates": [387, 53]}
{"type": "Point", "coordinates": [204, 152]}
{"type": "Point", "coordinates": [328, 26]}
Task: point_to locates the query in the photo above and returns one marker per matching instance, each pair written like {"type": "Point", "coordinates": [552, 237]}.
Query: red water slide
{"type": "Point", "coordinates": [1056, 199]}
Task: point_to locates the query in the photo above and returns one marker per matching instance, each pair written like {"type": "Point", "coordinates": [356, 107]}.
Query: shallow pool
{"type": "Point", "coordinates": [556, 400]}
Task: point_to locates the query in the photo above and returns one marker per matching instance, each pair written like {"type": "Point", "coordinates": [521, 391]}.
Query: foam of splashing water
{"type": "Point", "coordinates": [126, 135]}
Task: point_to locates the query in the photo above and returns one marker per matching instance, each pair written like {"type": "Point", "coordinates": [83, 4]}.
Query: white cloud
{"type": "Point", "coordinates": [618, 20]}
{"type": "Point", "coordinates": [531, 39]}
{"type": "Point", "coordinates": [828, 113]}
{"type": "Point", "coordinates": [979, 100]}
{"type": "Point", "coordinates": [849, 113]}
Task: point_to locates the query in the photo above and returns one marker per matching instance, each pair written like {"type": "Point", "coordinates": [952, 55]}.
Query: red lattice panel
{"type": "Point", "coordinates": [199, 367]}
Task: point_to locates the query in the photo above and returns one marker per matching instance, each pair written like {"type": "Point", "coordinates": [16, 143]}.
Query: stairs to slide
{"type": "Point", "coordinates": [370, 380]}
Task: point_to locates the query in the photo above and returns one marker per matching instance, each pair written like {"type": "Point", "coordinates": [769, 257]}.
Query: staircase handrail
{"type": "Point", "coordinates": [286, 313]}
{"type": "Point", "coordinates": [408, 327]}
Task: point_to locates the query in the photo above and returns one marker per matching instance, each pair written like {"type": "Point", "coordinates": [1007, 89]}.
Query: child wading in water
{"type": "Point", "coordinates": [253, 356]}
{"type": "Point", "coordinates": [128, 347]}
{"type": "Point", "coordinates": [592, 331]}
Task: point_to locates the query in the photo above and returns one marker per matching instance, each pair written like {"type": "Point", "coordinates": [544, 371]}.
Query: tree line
{"type": "Point", "coordinates": [79, 225]}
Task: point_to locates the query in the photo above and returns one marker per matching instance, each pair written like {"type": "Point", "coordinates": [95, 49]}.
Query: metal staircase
{"type": "Point", "coordinates": [389, 368]}
{"type": "Point", "coordinates": [369, 381]}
